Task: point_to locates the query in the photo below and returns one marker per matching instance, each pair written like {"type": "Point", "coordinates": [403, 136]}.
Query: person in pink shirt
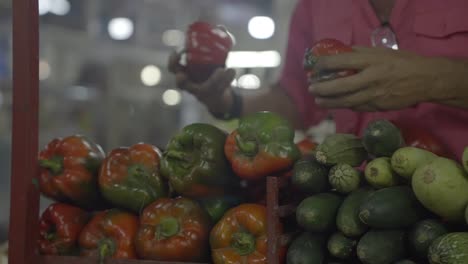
{"type": "Point", "coordinates": [412, 62]}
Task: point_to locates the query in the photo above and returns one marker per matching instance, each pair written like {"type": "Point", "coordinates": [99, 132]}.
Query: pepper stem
{"type": "Point", "coordinates": [106, 249]}
{"type": "Point", "coordinates": [51, 236]}
{"type": "Point", "coordinates": [168, 227]}
{"type": "Point", "coordinates": [248, 148]}
{"type": "Point", "coordinates": [54, 164]}
{"type": "Point", "coordinates": [243, 243]}
{"type": "Point", "coordinates": [137, 171]}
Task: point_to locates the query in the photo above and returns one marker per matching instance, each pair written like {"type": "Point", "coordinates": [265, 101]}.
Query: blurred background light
{"type": "Point", "coordinates": [56, 7]}
{"type": "Point", "coordinates": [44, 70]}
{"type": "Point", "coordinates": [261, 27]}
{"type": "Point", "coordinates": [173, 37]}
{"type": "Point", "coordinates": [253, 59]}
{"type": "Point", "coordinates": [249, 81]}
{"type": "Point", "coordinates": [171, 97]}
{"type": "Point", "coordinates": [150, 75]}
{"type": "Point", "coordinates": [120, 28]}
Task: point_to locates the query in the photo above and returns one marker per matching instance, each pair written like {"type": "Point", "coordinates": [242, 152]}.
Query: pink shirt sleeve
{"type": "Point", "coordinates": [293, 78]}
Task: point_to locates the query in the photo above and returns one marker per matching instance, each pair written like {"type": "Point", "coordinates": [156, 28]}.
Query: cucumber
{"type": "Point", "coordinates": [405, 261]}
{"type": "Point", "coordinates": [341, 148]}
{"type": "Point", "coordinates": [391, 208]}
{"type": "Point", "coordinates": [406, 160]}
{"type": "Point", "coordinates": [310, 176]}
{"type": "Point", "coordinates": [381, 138]}
{"type": "Point", "coordinates": [317, 213]}
{"type": "Point", "coordinates": [308, 248]}
{"type": "Point", "coordinates": [347, 219]}
{"type": "Point", "coordinates": [379, 173]}
{"type": "Point", "coordinates": [451, 248]}
{"type": "Point", "coordinates": [381, 247]}
{"type": "Point", "coordinates": [441, 186]}
{"type": "Point", "coordinates": [423, 234]}
{"type": "Point", "coordinates": [341, 247]}
{"type": "Point", "coordinates": [465, 159]}
{"type": "Point", "coordinates": [344, 178]}
{"type": "Point", "coordinates": [466, 214]}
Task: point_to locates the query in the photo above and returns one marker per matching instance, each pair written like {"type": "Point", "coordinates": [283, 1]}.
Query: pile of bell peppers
{"type": "Point", "coordinates": [188, 203]}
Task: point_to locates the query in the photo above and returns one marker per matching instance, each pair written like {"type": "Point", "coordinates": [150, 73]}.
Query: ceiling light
{"type": "Point", "coordinates": [249, 81]}
{"type": "Point", "coordinates": [150, 75]}
{"type": "Point", "coordinates": [261, 27]}
{"type": "Point", "coordinates": [171, 97]}
{"type": "Point", "coordinates": [253, 59]}
{"type": "Point", "coordinates": [44, 70]}
{"type": "Point", "coordinates": [120, 28]}
{"type": "Point", "coordinates": [173, 37]}
{"type": "Point", "coordinates": [60, 7]}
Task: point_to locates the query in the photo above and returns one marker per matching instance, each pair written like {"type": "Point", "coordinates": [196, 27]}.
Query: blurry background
{"type": "Point", "coordinates": [103, 68]}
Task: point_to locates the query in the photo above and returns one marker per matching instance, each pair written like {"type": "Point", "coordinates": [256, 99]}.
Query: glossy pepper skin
{"type": "Point", "coordinates": [419, 137]}
{"type": "Point", "coordinates": [206, 49]}
{"type": "Point", "coordinates": [130, 177]}
{"type": "Point", "coordinates": [241, 236]}
{"type": "Point", "coordinates": [173, 230]}
{"type": "Point", "coordinates": [216, 207]}
{"type": "Point", "coordinates": [325, 47]}
{"type": "Point", "coordinates": [69, 170]}
{"type": "Point", "coordinates": [194, 162]}
{"type": "Point", "coordinates": [59, 227]}
{"type": "Point", "coordinates": [262, 145]}
{"type": "Point", "coordinates": [110, 233]}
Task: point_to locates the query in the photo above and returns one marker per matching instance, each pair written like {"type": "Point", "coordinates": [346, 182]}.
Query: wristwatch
{"type": "Point", "coordinates": [235, 110]}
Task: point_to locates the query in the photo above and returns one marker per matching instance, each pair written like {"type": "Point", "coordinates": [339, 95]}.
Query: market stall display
{"type": "Point", "coordinates": [381, 198]}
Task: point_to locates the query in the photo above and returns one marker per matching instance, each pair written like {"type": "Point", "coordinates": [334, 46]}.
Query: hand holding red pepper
{"type": "Point", "coordinates": [206, 49]}
{"type": "Point", "coordinates": [110, 233]}
{"type": "Point", "coordinates": [69, 170]}
{"type": "Point", "coordinates": [59, 228]}
{"type": "Point", "coordinates": [173, 230]}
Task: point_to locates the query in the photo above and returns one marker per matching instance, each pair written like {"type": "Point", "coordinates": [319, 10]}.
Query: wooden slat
{"type": "Point", "coordinates": [24, 195]}
{"type": "Point", "coordinates": [83, 260]}
{"type": "Point", "coordinates": [273, 218]}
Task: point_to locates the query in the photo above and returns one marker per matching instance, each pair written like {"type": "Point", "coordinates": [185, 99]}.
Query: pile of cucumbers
{"type": "Point", "coordinates": [373, 200]}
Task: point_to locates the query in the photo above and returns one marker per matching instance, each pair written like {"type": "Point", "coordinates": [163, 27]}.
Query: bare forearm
{"type": "Point", "coordinates": [274, 99]}
{"type": "Point", "coordinates": [453, 84]}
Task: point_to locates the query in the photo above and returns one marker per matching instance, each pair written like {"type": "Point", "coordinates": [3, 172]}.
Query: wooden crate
{"type": "Point", "coordinates": [24, 210]}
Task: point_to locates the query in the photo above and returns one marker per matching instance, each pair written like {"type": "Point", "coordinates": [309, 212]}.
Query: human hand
{"type": "Point", "coordinates": [214, 93]}
{"type": "Point", "coordinates": [387, 80]}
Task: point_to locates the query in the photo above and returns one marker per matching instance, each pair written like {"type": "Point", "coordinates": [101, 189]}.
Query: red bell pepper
{"type": "Point", "coordinates": [69, 169]}
{"type": "Point", "coordinates": [110, 233]}
{"type": "Point", "coordinates": [206, 49]}
{"type": "Point", "coordinates": [241, 236]}
{"type": "Point", "coordinates": [59, 228]}
{"type": "Point", "coordinates": [419, 137]}
{"type": "Point", "coordinates": [306, 146]}
{"type": "Point", "coordinates": [130, 178]}
{"type": "Point", "coordinates": [174, 230]}
{"type": "Point", "coordinates": [261, 146]}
